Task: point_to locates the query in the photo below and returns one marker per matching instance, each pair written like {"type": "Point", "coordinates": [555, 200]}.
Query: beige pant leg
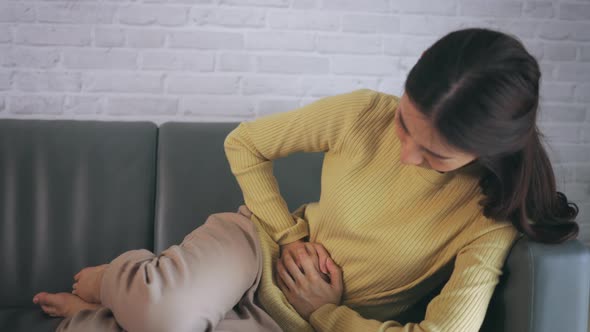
{"type": "Point", "coordinates": [188, 287]}
{"type": "Point", "coordinates": [98, 320]}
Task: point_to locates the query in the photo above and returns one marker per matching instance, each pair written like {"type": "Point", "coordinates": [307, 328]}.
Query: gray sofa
{"type": "Point", "coordinates": [78, 193]}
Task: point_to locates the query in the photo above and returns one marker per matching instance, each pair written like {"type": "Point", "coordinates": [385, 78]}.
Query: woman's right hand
{"type": "Point", "coordinates": [317, 251]}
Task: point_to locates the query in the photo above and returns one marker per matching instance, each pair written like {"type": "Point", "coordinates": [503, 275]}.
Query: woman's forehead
{"type": "Point", "coordinates": [421, 129]}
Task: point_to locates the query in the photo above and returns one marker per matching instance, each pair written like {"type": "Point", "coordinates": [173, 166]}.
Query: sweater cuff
{"type": "Point", "coordinates": [326, 317]}
{"type": "Point", "coordinates": [293, 233]}
{"type": "Point", "coordinates": [321, 312]}
{"type": "Point", "coordinates": [290, 234]}
{"type": "Point", "coordinates": [331, 317]}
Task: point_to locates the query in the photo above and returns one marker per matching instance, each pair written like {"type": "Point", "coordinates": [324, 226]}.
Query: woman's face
{"type": "Point", "coordinates": [421, 144]}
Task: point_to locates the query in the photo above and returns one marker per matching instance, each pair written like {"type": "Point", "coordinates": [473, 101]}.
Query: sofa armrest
{"type": "Point", "coordinates": [544, 288]}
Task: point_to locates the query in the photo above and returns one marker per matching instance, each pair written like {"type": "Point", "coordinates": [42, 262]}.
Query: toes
{"type": "Point", "coordinates": [48, 310]}
{"type": "Point", "coordinates": [79, 274]}
{"type": "Point", "coordinates": [54, 304]}
{"type": "Point", "coordinates": [40, 298]}
{"type": "Point", "coordinates": [43, 299]}
{"type": "Point", "coordinates": [49, 299]}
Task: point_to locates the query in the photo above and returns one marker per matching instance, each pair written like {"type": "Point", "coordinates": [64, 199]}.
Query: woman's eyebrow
{"type": "Point", "coordinates": [401, 121]}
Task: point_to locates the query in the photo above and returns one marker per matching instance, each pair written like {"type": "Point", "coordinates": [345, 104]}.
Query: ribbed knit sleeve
{"type": "Point", "coordinates": [252, 146]}
{"type": "Point", "coordinates": [461, 304]}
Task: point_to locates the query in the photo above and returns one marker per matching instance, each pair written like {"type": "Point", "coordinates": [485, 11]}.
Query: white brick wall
{"type": "Point", "coordinates": [230, 60]}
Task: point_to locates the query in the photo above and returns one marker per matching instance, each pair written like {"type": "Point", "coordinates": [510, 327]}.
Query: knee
{"type": "Point", "coordinates": [233, 218]}
{"type": "Point", "coordinates": [234, 228]}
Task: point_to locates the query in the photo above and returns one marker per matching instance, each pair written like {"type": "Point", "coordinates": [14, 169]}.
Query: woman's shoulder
{"type": "Point", "coordinates": [501, 231]}
{"type": "Point", "coordinates": [376, 99]}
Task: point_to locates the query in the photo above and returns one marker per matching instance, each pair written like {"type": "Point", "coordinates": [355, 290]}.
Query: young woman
{"type": "Point", "coordinates": [426, 191]}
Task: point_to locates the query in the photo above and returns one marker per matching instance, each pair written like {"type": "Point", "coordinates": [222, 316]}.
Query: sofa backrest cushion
{"type": "Point", "coordinates": [195, 179]}
{"type": "Point", "coordinates": [543, 288]}
{"type": "Point", "coordinates": [72, 194]}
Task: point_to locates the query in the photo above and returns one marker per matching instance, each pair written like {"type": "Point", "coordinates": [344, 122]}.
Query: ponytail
{"type": "Point", "coordinates": [521, 188]}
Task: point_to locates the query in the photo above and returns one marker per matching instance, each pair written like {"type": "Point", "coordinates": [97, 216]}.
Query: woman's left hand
{"type": "Point", "coordinates": [306, 290]}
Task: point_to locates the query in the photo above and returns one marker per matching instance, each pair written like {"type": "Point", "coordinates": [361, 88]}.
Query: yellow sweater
{"type": "Point", "coordinates": [397, 231]}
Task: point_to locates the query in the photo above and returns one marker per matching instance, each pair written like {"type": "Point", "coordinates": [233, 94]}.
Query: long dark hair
{"type": "Point", "coordinates": [480, 89]}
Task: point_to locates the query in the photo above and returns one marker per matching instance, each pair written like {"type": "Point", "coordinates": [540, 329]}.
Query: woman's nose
{"type": "Point", "coordinates": [410, 154]}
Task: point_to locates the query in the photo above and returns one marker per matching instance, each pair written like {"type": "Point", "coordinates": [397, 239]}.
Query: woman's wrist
{"type": "Point", "coordinates": [292, 243]}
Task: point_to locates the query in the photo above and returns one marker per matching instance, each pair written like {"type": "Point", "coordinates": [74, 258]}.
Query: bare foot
{"type": "Point", "coordinates": [62, 304]}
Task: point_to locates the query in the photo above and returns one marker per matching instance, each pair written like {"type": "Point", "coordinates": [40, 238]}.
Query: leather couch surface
{"type": "Point", "coordinates": [544, 288]}
{"type": "Point", "coordinates": [72, 194]}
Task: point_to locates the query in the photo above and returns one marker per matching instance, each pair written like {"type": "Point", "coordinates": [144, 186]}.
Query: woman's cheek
{"type": "Point", "coordinates": [438, 165]}
{"type": "Point", "coordinates": [443, 167]}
